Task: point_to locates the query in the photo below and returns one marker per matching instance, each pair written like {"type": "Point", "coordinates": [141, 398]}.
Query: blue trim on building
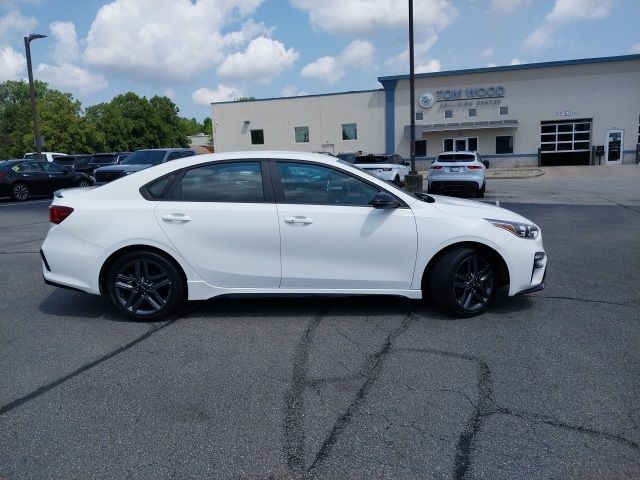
{"type": "Point", "coordinates": [300, 96]}
{"type": "Point", "coordinates": [506, 68]}
{"type": "Point", "coordinates": [389, 115]}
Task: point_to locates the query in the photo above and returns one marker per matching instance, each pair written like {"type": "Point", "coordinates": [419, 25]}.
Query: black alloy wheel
{"type": "Point", "coordinates": [145, 286]}
{"type": "Point", "coordinates": [20, 191]}
{"type": "Point", "coordinates": [397, 180]}
{"type": "Point", "coordinates": [480, 193]}
{"type": "Point", "coordinates": [463, 282]}
{"type": "Point", "coordinates": [84, 183]}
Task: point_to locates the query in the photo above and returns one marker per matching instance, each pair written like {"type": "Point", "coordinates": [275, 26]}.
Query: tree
{"type": "Point", "coordinates": [244, 99]}
{"type": "Point", "coordinates": [207, 128]}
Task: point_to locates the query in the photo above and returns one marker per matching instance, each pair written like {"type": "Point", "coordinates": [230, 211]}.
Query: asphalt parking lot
{"type": "Point", "coordinates": [545, 386]}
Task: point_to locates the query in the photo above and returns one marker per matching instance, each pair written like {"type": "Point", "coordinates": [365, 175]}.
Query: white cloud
{"type": "Point", "coordinates": [223, 93]}
{"type": "Point", "coordinates": [15, 24]}
{"type": "Point", "coordinates": [248, 31]}
{"type": "Point", "coordinates": [491, 65]}
{"type": "Point", "coordinates": [66, 42]}
{"type": "Point", "coordinates": [400, 62]}
{"type": "Point", "coordinates": [358, 54]}
{"type": "Point", "coordinates": [487, 52]}
{"type": "Point", "coordinates": [515, 61]}
{"type": "Point", "coordinates": [565, 11]}
{"type": "Point", "coordinates": [635, 48]}
{"type": "Point", "coordinates": [431, 66]}
{"type": "Point", "coordinates": [324, 69]}
{"type": "Point", "coordinates": [169, 93]}
{"type": "Point", "coordinates": [12, 64]}
{"type": "Point", "coordinates": [292, 91]}
{"type": "Point", "coordinates": [507, 6]}
{"type": "Point", "coordinates": [67, 76]}
{"type": "Point", "coordinates": [263, 59]}
{"type": "Point", "coordinates": [170, 40]}
{"type": "Point", "coordinates": [372, 16]}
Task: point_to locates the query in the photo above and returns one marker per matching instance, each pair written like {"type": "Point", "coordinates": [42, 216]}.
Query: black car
{"type": "Point", "coordinates": [70, 161]}
{"type": "Point", "coordinates": [21, 179]}
{"type": "Point", "coordinates": [140, 160]}
{"type": "Point", "coordinates": [82, 164]}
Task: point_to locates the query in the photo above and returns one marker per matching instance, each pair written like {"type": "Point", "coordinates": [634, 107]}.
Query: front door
{"type": "Point", "coordinates": [613, 147]}
{"type": "Point", "coordinates": [332, 238]}
{"type": "Point", "coordinates": [225, 225]}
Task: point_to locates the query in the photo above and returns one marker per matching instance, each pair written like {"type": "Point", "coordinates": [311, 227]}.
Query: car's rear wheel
{"type": "Point", "coordinates": [397, 180]}
{"type": "Point", "coordinates": [463, 282]}
{"type": "Point", "coordinates": [84, 183]}
{"type": "Point", "coordinates": [480, 193]}
{"type": "Point", "coordinates": [20, 191]}
{"type": "Point", "coordinates": [145, 286]}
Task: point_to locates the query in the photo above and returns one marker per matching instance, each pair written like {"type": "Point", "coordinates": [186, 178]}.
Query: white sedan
{"type": "Point", "coordinates": [282, 223]}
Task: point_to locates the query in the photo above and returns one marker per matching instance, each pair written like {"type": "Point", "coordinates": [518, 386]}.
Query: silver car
{"type": "Point", "coordinates": [458, 171]}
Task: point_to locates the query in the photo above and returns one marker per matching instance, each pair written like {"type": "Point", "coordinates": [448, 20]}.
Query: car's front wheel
{"type": "Point", "coordinates": [463, 282]}
{"type": "Point", "coordinates": [145, 286]}
{"type": "Point", "coordinates": [20, 191]}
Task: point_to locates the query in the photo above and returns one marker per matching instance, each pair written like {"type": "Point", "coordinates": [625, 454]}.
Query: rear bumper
{"type": "Point", "coordinates": [458, 185]}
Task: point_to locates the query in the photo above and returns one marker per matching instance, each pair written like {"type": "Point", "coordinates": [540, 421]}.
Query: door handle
{"type": "Point", "coordinates": [298, 220]}
{"type": "Point", "coordinates": [176, 218]}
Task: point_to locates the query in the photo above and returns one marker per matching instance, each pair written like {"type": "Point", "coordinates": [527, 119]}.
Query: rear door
{"type": "Point", "coordinates": [57, 177]}
{"type": "Point", "coordinates": [222, 218]}
{"type": "Point", "coordinates": [32, 175]}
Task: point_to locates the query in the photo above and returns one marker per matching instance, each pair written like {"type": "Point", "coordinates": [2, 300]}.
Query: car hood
{"type": "Point", "coordinates": [472, 209]}
{"type": "Point", "coordinates": [124, 168]}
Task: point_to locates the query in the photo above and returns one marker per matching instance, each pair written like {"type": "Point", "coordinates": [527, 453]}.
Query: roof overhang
{"type": "Point", "coordinates": [457, 126]}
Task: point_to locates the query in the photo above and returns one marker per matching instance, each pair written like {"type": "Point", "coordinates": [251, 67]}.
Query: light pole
{"type": "Point", "coordinates": [413, 181]}
{"type": "Point", "coordinates": [34, 108]}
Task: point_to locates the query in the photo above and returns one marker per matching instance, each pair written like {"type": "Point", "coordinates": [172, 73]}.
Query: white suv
{"type": "Point", "coordinates": [458, 171]}
{"type": "Point", "coordinates": [389, 167]}
{"type": "Point", "coordinates": [48, 156]}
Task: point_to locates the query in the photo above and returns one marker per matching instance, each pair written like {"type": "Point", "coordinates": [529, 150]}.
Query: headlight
{"type": "Point", "coordinates": [522, 230]}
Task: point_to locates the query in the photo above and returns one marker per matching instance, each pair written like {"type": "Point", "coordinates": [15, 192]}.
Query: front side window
{"type": "Point", "coordinates": [349, 131]}
{"type": "Point", "coordinates": [51, 167]}
{"type": "Point", "coordinates": [301, 134]}
{"type": "Point", "coordinates": [318, 185]}
{"type": "Point", "coordinates": [257, 137]}
{"type": "Point", "coordinates": [238, 182]}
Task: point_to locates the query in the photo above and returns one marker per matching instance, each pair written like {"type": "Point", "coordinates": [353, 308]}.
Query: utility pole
{"type": "Point", "coordinates": [413, 181]}
{"type": "Point", "coordinates": [34, 108]}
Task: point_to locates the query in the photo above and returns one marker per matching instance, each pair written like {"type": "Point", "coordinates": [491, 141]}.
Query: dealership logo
{"type": "Point", "coordinates": [427, 100]}
{"type": "Point", "coordinates": [469, 93]}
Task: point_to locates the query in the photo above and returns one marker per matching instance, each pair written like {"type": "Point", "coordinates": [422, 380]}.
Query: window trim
{"type": "Point", "coordinates": [173, 192]}
{"type": "Point", "coordinates": [278, 187]}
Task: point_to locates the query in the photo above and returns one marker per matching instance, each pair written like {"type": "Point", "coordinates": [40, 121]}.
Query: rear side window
{"type": "Point", "coordinates": [456, 157]}
{"type": "Point", "coordinates": [159, 188]}
{"type": "Point", "coordinates": [238, 182]}
{"type": "Point", "coordinates": [373, 159]}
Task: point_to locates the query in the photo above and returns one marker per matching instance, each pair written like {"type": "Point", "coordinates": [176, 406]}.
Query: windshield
{"type": "Point", "coordinates": [455, 157]}
{"type": "Point", "coordinates": [145, 157]}
{"type": "Point", "coordinates": [103, 159]}
{"type": "Point", "coordinates": [372, 159]}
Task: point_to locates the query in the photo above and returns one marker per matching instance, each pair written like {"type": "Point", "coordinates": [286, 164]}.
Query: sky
{"type": "Point", "coordinates": [202, 51]}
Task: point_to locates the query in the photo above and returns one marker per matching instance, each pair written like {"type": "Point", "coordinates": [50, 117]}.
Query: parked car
{"type": "Point", "coordinates": [21, 179]}
{"type": "Point", "coordinates": [69, 161]}
{"type": "Point", "coordinates": [47, 156]}
{"type": "Point", "coordinates": [102, 160]}
{"type": "Point", "coordinates": [459, 172]}
{"type": "Point", "coordinates": [391, 168]}
{"type": "Point", "coordinates": [140, 160]}
{"type": "Point", "coordinates": [282, 223]}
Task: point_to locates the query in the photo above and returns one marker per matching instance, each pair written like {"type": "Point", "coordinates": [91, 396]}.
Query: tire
{"type": "Point", "coordinates": [20, 191]}
{"type": "Point", "coordinates": [397, 180]}
{"type": "Point", "coordinates": [480, 193]}
{"type": "Point", "coordinates": [145, 286]}
{"type": "Point", "coordinates": [463, 282]}
{"type": "Point", "coordinates": [84, 183]}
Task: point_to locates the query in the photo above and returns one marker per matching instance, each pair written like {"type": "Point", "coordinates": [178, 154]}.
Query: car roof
{"type": "Point", "coordinates": [171, 149]}
{"type": "Point", "coordinates": [463, 152]}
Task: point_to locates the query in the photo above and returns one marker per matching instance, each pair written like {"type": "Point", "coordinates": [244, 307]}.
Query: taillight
{"type": "Point", "coordinates": [436, 167]}
{"type": "Point", "coordinates": [1, 174]}
{"type": "Point", "coordinates": [57, 213]}
{"type": "Point", "coordinates": [474, 167]}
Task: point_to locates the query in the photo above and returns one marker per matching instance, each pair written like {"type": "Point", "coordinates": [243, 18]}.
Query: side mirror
{"type": "Point", "coordinates": [384, 200]}
{"type": "Point", "coordinates": [485, 163]}
{"type": "Point", "coordinates": [406, 164]}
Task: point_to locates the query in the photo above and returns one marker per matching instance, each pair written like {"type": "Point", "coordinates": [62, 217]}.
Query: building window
{"type": "Point", "coordinates": [257, 137]}
{"type": "Point", "coordinates": [448, 114]}
{"type": "Point", "coordinates": [572, 135]}
{"type": "Point", "coordinates": [504, 110]}
{"type": "Point", "coordinates": [473, 112]}
{"type": "Point", "coordinates": [472, 144]}
{"type": "Point", "coordinates": [504, 144]}
{"type": "Point", "coordinates": [301, 134]}
{"type": "Point", "coordinates": [419, 115]}
{"type": "Point", "coordinates": [421, 148]}
{"type": "Point", "coordinates": [447, 145]}
{"type": "Point", "coordinates": [349, 131]}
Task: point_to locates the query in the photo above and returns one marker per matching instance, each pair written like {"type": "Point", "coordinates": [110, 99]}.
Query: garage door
{"type": "Point", "coordinates": [565, 143]}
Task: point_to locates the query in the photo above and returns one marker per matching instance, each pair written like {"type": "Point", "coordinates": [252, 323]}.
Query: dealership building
{"type": "Point", "coordinates": [574, 112]}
